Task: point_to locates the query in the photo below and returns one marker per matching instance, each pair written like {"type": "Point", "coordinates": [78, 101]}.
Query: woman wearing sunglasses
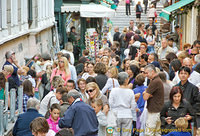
{"type": "Point", "coordinates": [62, 70]}
{"type": "Point", "coordinates": [93, 91]}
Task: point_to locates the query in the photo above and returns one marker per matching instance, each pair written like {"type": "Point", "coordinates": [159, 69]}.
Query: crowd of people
{"type": "Point", "coordinates": [130, 88]}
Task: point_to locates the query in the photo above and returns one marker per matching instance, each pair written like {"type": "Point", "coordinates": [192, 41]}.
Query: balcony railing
{"type": "Point", "coordinates": [8, 114]}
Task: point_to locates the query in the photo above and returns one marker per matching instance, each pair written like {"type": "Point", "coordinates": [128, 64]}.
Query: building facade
{"type": "Point", "coordinates": [26, 27]}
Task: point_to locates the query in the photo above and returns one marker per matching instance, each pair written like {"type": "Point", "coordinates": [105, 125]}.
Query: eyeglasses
{"type": "Point", "coordinates": [193, 54]}
{"type": "Point", "coordinates": [142, 72]}
{"type": "Point", "coordinates": [91, 90]}
{"type": "Point", "coordinates": [60, 61]}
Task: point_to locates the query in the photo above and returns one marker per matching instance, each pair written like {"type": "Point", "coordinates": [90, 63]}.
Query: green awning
{"type": "Point", "coordinates": [177, 5]}
{"type": "Point", "coordinates": [164, 15]}
{"type": "Point", "coordinates": [167, 11]}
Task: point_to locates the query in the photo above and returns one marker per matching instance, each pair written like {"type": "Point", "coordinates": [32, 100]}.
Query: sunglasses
{"type": "Point", "coordinates": [60, 61]}
{"type": "Point", "coordinates": [193, 54]}
{"type": "Point", "coordinates": [91, 90]}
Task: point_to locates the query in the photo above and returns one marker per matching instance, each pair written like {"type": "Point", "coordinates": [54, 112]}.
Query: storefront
{"type": "Point", "coordinates": [88, 19]}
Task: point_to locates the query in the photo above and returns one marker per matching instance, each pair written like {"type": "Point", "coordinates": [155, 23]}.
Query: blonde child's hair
{"type": "Point", "coordinates": [98, 102]}
{"type": "Point", "coordinates": [181, 123]}
{"type": "Point", "coordinates": [9, 68]}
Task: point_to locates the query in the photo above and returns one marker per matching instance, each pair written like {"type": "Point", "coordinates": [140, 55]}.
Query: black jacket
{"type": "Point", "coordinates": [190, 93]}
{"type": "Point", "coordinates": [116, 37]}
{"type": "Point", "coordinates": [101, 80]}
{"type": "Point", "coordinates": [169, 111]}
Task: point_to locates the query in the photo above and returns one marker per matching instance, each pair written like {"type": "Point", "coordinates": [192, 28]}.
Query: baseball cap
{"type": "Point", "coordinates": [9, 54]}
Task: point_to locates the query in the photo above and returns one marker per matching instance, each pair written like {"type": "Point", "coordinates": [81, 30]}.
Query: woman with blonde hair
{"type": "Point", "coordinates": [105, 60]}
{"type": "Point", "coordinates": [93, 91]}
{"type": "Point", "coordinates": [112, 81]}
{"type": "Point", "coordinates": [62, 70]}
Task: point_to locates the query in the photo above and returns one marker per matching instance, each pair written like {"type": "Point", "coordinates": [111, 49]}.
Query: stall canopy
{"type": "Point", "coordinates": [95, 11]}
{"type": "Point", "coordinates": [70, 8]}
{"type": "Point", "coordinates": [167, 11]}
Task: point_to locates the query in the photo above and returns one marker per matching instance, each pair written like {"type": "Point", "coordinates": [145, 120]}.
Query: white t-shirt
{"type": "Point", "coordinates": [44, 103]}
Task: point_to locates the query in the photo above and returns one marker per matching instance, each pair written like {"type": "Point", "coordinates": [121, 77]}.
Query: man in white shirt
{"type": "Point", "coordinates": [164, 49]}
{"type": "Point", "coordinates": [51, 98]}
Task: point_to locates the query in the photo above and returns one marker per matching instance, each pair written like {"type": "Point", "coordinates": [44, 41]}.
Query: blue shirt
{"type": "Point", "coordinates": [140, 102]}
{"type": "Point", "coordinates": [82, 118]}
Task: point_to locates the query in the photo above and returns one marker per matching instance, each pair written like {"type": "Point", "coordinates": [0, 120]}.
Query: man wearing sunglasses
{"type": "Point", "coordinates": [79, 116]}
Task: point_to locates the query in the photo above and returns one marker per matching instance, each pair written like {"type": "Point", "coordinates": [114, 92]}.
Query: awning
{"type": "Point", "coordinates": [164, 15]}
{"type": "Point", "coordinates": [177, 5]}
{"type": "Point", "coordinates": [70, 8]}
{"type": "Point", "coordinates": [95, 10]}
{"type": "Point", "coordinates": [167, 11]}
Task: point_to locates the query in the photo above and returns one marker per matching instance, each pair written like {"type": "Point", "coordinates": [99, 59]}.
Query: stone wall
{"type": "Point", "coordinates": [27, 46]}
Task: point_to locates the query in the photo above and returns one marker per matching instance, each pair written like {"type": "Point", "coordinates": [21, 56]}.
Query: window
{"type": "Point", "coordinates": [14, 12]}
{"type": "Point", "coordinates": [3, 13]}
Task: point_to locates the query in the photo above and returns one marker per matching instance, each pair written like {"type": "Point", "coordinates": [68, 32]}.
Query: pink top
{"type": "Point", "coordinates": [128, 1]}
{"type": "Point", "coordinates": [57, 72]}
{"type": "Point", "coordinates": [53, 125]}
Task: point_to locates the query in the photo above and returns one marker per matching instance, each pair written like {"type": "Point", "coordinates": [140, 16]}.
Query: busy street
{"type": "Point", "coordinates": [100, 68]}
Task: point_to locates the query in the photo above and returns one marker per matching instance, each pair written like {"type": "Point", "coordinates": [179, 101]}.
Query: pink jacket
{"type": "Point", "coordinates": [53, 125]}
{"type": "Point", "coordinates": [57, 72]}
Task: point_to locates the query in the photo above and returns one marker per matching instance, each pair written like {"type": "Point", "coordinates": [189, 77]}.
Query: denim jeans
{"type": "Point", "coordinates": [122, 56]}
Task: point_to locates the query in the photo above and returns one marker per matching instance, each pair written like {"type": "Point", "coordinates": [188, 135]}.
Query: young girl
{"type": "Point", "coordinates": [97, 104]}
{"type": "Point", "coordinates": [54, 117]}
{"type": "Point", "coordinates": [27, 93]}
{"type": "Point", "coordinates": [150, 40]}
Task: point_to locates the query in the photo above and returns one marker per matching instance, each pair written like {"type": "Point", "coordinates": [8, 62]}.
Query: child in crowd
{"type": "Point", "coordinates": [24, 72]}
{"type": "Point", "coordinates": [97, 104]}
{"type": "Point", "coordinates": [27, 93]}
{"type": "Point", "coordinates": [7, 71]}
{"type": "Point", "coordinates": [54, 117]}
{"type": "Point", "coordinates": [140, 88]}
{"type": "Point", "coordinates": [181, 125]}
{"type": "Point", "coordinates": [40, 127]}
